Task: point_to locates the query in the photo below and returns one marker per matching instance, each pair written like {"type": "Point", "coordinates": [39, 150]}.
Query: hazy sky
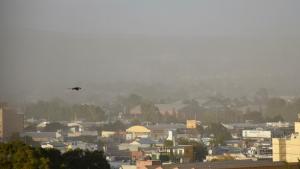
{"type": "Point", "coordinates": [54, 44]}
{"type": "Point", "coordinates": [157, 17]}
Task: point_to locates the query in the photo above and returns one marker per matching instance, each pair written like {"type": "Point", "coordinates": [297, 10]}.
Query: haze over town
{"type": "Point", "coordinates": [138, 84]}
{"type": "Point", "coordinates": [233, 47]}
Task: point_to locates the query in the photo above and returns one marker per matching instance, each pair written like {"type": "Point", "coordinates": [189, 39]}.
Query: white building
{"type": "Point", "coordinates": [256, 134]}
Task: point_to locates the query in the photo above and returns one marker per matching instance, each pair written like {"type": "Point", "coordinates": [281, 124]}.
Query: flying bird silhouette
{"type": "Point", "coordinates": [75, 88]}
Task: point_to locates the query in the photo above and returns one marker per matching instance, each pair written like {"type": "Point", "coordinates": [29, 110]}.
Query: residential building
{"type": "Point", "coordinates": [10, 122]}
{"type": "Point", "coordinates": [75, 129]}
{"type": "Point", "coordinates": [191, 124]}
{"type": "Point", "coordinates": [107, 134]}
{"type": "Point", "coordinates": [179, 153]}
{"type": "Point", "coordinates": [43, 136]}
{"type": "Point", "coordinates": [256, 134]}
{"type": "Point", "coordinates": [235, 143]}
{"type": "Point", "coordinates": [142, 164]}
{"type": "Point", "coordinates": [161, 131]}
{"type": "Point", "coordinates": [287, 149]}
{"type": "Point", "coordinates": [137, 155]}
{"type": "Point", "coordinates": [222, 153]}
{"type": "Point", "coordinates": [81, 145]}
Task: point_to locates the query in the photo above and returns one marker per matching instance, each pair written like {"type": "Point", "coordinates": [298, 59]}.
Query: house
{"type": "Point", "coordinates": [235, 143]}
{"type": "Point", "coordinates": [43, 136]}
{"type": "Point", "coordinates": [137, 155]}
{"type": "Point", "coordinates": [81, 145]}
{"type": "Point", "coordinates": [107, 134]}
{"type": "Point", "coordinates": [57, 145]}
{"type": "Point", "coordinates": [161, 131]}
{"type": "Point", "coordinates": [222, 153]}
{"type": "Point", "coordinates": [75, 129]}
{"type": "Point", "coordinates": [137, 132]}
{"type": "Point", "coordinates": [191, 124]}
{"type": "Point", "coordinates": [139, 143]}
{"type": "Point", "coordinates": [142, 164]}
{"type": "Point", "coordinates": [179, 153]}
{"type": "Point", "coordinates": [146, 142]}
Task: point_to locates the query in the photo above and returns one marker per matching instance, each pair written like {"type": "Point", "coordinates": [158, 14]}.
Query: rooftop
{"type": "Point", "coordinates": [138, 129]}
{"type": "Point", "coordinates": [224, 165]}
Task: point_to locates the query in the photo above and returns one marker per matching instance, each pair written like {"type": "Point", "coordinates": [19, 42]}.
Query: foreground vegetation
{"type": "Point", "coordinates": [17, 155]}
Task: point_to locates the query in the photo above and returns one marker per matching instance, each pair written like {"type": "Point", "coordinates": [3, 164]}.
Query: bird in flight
{"type": "Point", "coordinates": [75, 88]}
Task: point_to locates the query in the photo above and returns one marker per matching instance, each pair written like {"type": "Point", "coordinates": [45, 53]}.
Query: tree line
{"type": "Point", "coordinates": [214, 109]}
{"type": "Point", "coordinates": [57, 109]}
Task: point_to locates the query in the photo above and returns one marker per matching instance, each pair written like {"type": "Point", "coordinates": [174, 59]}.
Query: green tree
{"type": "Point", "coordinates": [79, 159]}
{"type": "Point", "coordinates": [131, 101]}
{"type": "Point", "coordinates": [57, 109]}
{"type": "Point", "coordinates": [199, 149]}
{"type": "Point", "coordinates": [219, 131]}
{"type": "Point", "coordinates": [150, 112]}
{"type": "Point", "coordinates": [255, 116]}
{"type": "Point", "coordinates": [276, 118]}
{"type": "Point", "coordinates": [192, 110]}
{"type": "Point", "coordinates": [164, 158]}
{"type": "Point", "coordinates": [54, 156]}
{"type": "Point", "coordinates": [168, 143]}
{"type": "Point", "coordinates": [276, 106]}
{"type": "Point", "coordinates": [261, 96]}
{"type": "Point", "coordinates": [17, 155]}
{"type": "Point", "coordinates": [115, 126]}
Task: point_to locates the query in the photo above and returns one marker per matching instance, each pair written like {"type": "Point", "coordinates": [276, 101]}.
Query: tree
{"type": "Point", "coordinates": [192, 109]}
{"type": "Point", "coordinates": [276, 118]}
{"type": "Point", "coordinates": [261, 96]}
{"type": "Point", "coordinates": [164, 158]}
{"type": "Point", "coordinates": [199, 149]}
{"type": "Point", "coordinates": [17, 155]}
{"type": "Point", "coordinates": [276, 106]}
{"type": "Point", "coordinates": [131, 101]}
{"type": "Point", "coordinates": [79, 159]}
{"type": "Point", "coordinates": [150, 112]}
{"type": "Point", "coordinates": [219, 131]}
{"type": "Point", "coordinates": [57, 109]}
{"type": "Point", "coordinates": [115, 126]}
{"type": "Point", "coordinates": [54, 157]}
{"type": "Point", "coordinates": [168, 143]}
{"type": "Point", "coordinates": [255, 116]}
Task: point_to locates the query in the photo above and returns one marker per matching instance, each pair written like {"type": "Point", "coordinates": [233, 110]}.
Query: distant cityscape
{"type": "Point", "coordinates": [135, 138]}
